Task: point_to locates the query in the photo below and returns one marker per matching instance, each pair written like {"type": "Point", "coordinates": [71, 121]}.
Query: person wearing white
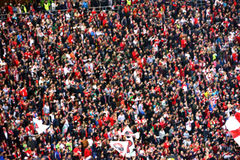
{"type": "Point", "coordinates": [121, 117]}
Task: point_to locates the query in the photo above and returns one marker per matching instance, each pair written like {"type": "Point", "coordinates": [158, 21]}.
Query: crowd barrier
{"type": "Point", "coordinates": [97, 9]}
{"type": "Point", "coordinates": [198, 3]}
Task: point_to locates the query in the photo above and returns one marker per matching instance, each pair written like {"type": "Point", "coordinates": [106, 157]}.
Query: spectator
{"type": "Point", "coordinates": [84, 5]}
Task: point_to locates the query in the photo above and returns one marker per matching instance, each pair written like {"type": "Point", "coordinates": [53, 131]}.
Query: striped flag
{"type": "Point", "coordinates": [233, 126]}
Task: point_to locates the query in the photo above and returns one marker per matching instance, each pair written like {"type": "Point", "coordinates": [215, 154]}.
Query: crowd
{"type": "Point", "coordinates": [168, 69]}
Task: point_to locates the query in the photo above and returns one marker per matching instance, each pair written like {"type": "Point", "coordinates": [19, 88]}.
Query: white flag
{"type": "Point", "coordinates": [120, 146]}
{"type": "Point", "coordinates": [131, 147]}
{"type": "Point", "coordinates": [39, 127]}
{"type": "Point", "coordinates": [128, 132]}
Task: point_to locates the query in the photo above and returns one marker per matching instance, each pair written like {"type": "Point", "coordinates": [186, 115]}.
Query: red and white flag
{"type": "Point", "coordinates": [131, 147]}
{"type": "Point", "coordinates": [128, 132]}
{"type": "Point", "coordinates": [120, 146]}
{"type": "Point", "coordinates": [233, 125]}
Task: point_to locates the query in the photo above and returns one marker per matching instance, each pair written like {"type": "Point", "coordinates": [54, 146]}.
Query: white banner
{"type": "Point", "coordinates": [39, 127]}
{"type": "Point", "coordinates": [128, 132]}
{"type": "Point", "coordinates": [126, 148]}
{"type": "Point", "coordinates": [120, 146]}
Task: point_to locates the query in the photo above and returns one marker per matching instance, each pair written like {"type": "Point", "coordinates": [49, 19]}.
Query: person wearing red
{"type": "Point", "coordinates": [10, 9]}
{"type": "Point", "coordinates": [135, 54]}
{"type": "Point", "coordinates": [88, 153]}
{"type": "Point", "coordinates": [77, 152]}
{"type": "Point", "coordinates": [23, 92]}
{"type": "Point", "coordinates": [183, 43]}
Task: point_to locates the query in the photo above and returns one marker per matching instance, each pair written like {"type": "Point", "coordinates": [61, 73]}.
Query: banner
{"type": "Point", "coordinates": [126, 148]}
{"type": "Point", "coordinates": [128, 132]}
{"type": "Point", "coordinates": [233, 126]}
{"type": "Point", "coordinates": [39, 127]}
{"type": "Point", "coordinates": [131, 147]}
{"type": "Point", "coordinates": [120, 146]}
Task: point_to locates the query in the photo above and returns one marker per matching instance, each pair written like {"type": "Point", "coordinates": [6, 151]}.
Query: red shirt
{"type": "Point", "coordinates": [10, 9]}
{"type": "Point", "coordinates": [166, 145]}
{"type": "Point", "coordinates": [94, 12]}
{"type": "Point", "coordinates": [134, 55]}
{"type": "Point", "coordinates": [238, 77]}
{"type": "Point", "coordinates": [76, 151]}
{"type": "Point", "coordinates": [100, 122]}
{"type": "Point", "coordinates": [122, 45]}
{"type": "Point", "coordinates": [70, 39]}
{"type": "Point", "coordinates": [195, 21]}
{"type": "Point", "coordinates": [238, 39]}
{"type": "Point", "coordinates": [23, 92]}
{"type": "Point", "coordinates": [112, 121]}
{"type": "Point", "coordinates": [162, 124]}
{"type": "Point", "coordinates": [101, 16]}
{"type": "Point", "coordinates": [114, 38]}
{"type": "Point", "coordinates": [183, 43]}
{"type": "Point", "coordinates": [104, 22]}
{"type": "Point", "coordinates": [118, 25]}
{"type": "Point", "coordinates": [87, 152]}
{"type": "Point", "coordinates": [27, 55]}
{"type": "Point", "coordinates": [234, 56]}
{"type": "Point", "coordinates": [105, 135]}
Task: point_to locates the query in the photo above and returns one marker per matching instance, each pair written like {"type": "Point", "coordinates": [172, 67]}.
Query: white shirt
{"type": "Point", "coordinates": [121, 117]}
{"type": "Point", "coordinates": [188, 125]}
